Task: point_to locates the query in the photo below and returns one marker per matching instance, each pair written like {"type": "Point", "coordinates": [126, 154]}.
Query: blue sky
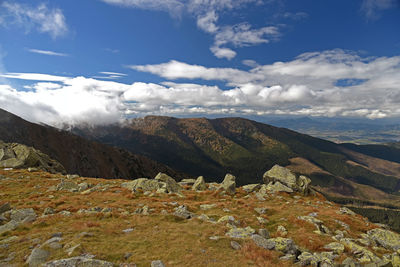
{"type": "Point", "coordinates": [102, 60]}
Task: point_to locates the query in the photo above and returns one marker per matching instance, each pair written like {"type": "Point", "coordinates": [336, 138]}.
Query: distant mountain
{"type": "Point", "coordinates": [343, 130]}
{"type": "Point", "coordinates": [76, 154]}
{"type": "Point", "coordinates": [213, 147]}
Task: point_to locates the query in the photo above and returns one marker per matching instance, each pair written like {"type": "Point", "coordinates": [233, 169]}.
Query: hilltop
{"type": "Point", "coordinates": [77, 221]}
{"type": "Point", "coordinates": [348, 174]}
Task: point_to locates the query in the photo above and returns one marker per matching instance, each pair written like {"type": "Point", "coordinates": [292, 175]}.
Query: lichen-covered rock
{"type": "Point", "coordinates": [285, 245]}
{"type": "Point", "coordinates": [281, 178]}
{"type": "Point", "coordinates": [385, 238]}
{"type": "Point", "coordinates": [251, 187]}
{"type": "Point", "coordinates": [143, 184]}
{"type": "Point", "coordinates": [157, 263]}
{"type": "Point", "coordinates": [278, 187]}
{"type": "Point", "coordinates": [170, 185]}
{"type": "Point", "coordinates": [187, 182]}
{"type": "Point", "coordinates": [228, 219]}
{"type": "Point", "coordinates": [240, 232]}
{"type": "Point", "coordinates": [363, 254]}
{"type": "Point", "coordinates": [199, 184]}
{"type": "Point", "coordinates": [229, 184]}
{"type": "Point", "coordinates": [21, 156]}
{"type": "Point", "coordinates": [336, 247]}
{"type": "Point", "coordinates": [263, 242]}
{"type": "Point", "coordinates": [316, 259]}
{"type": "Point", "coordinates": [344, 210]}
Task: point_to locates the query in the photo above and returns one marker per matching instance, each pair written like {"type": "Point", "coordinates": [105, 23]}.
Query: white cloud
{"type": "Point", "coordinates": [207, 22]}
{"type": "Point", "coordinates": [303, 86]}
{"type": "Point", "coordinates": [250, 63]}
{"type": "Point", "coordinates": [372, 8]}
{"type": "Point", "coordinates": [223, 52]}
{"type": "Point", "coordinates": [47, 52]}
{"type": "Point", "coordinates": [42, 18]}
{"type": "Point", "coordinates": [112, 73]}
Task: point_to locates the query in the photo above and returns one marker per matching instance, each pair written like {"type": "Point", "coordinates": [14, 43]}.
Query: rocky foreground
{"type": "Point", "coordinates": [56, 220]}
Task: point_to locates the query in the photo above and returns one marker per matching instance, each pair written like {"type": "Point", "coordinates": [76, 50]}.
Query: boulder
{"type": "Point", "coordinates": [235, 245]}
{"type": "Point", "coordinates": [21, 156]}
{"type": "Point", "coordinates": [10, 226]}
{"type": "Point", "coordinates": [285, 245]}
{"type": "Point", "coordinates": [278, 187]}
{"type": "Point", "coordinates": [229, 184]}
{"type": "Point", "coordinates": [142, 184]}
{"type": "Point", "coordinates": [288, 179]}
{"type": "Point", "coordinates": [170, 185]}
{"type": "Point", "coordinates": [23, 215]}
{"type": "Point", "coordinates": [183, 212]}
{"type": "Point", "coordinates": [240, 232]}
{"type": "Point", "coordinates": [66, 185]}
{"type": "Point", "coordinates": [189, 182]}
{"type": "Point", "coordinates": [263, 242]}
{"type": "Point", "coordinates": [251, 188]}
{"type": "Point", "coordinates": [336, 247]}
{"type": "Point", "coordinates": [385, 238]}
{"type": "Point", "coordinates": [199, 184]}
{"type": "Point", "coordinates": [37, 257]}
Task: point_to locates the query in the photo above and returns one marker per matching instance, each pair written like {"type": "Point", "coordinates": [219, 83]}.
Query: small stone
{"type": "Point", "coordinates": [262, 220]}
{"type": "Point", "coordinates": [157, 263]}
{"type": "Point", "coordinates": [128, 230]}
{"type": "Point", "coordinates": [48, 211]}
{"type": "Point", "coordinates": [261, 210]}
{"type": "Point", "coordinates": [235, 245]}
{"type": "Point", "coordinates": [199, 184]}
{"type": "Point", "coordinates": [214, 238]}
{"type": "Point", "coordinates": [282, 230]}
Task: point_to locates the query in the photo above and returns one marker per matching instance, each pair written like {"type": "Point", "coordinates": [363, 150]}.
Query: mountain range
{"type": "Point", "coordinates": [355, 175]}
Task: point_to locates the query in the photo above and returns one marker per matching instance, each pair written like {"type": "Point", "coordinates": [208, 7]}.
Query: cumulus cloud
{"type": "Point", "coordinates": [42, 18]}
{"type": "Point", "coordinates": [306, 85]}
{"type": "Point", "coordinates": [47, 52]}
{"type": "Point", "coordinates": [372, 8]}
{"type": "Point", "coordinates": [206, 13]}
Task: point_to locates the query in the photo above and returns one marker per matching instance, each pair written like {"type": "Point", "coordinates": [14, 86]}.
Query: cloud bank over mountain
{"type": "Point", "coordinates": [312, 84]}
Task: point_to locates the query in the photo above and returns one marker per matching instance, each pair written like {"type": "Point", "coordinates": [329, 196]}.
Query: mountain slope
{"type": "Point", "coordinates": [247, 148]}
{"type": "Point", "coordinates": [76, 154]}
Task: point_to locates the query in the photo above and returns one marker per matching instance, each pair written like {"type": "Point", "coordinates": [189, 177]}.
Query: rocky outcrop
{"type": "Point", "coordinates": [20, 156]}
{"type": "Point", "coordinates": [385, 238]}
{"type": "Point", "coordinates": [279, 179]}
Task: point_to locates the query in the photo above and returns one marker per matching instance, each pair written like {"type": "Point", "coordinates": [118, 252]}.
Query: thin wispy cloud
{"type": "Point", "coordinates": [373, 9]}
{"type": "Point", "coordinates": [41, 18]}
{"type": "Point", "coordinates": [47, 52]}
{"type": "Point", "coordinates": [206, 14]}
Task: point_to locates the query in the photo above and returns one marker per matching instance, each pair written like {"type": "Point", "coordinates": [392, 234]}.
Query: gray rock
{"type": "Point", "coordinates": [235, 245]}
{"type": "Point", "coordinates": [207, 206]}
{"type": "Point", "coordinates": [251, 187]}
{"type": "Point", "coordinates": [189, 182]}
{"type": "Point", "coordinates": [264, 233]}
{"type": "Point", "coordinates": [385, 238]}
{"type": "Point", "coordinates": [38, 257]}
{"type": "Point", "coordinates": [23, 215]}
{"type": "Point", "coordinates": [157, 263]}
{"type": "Point", "coordinates": [67, 185]}
{"type": "Point", "coordinates": [199, 184]}
{"type": "Point", "coordinates": [170, 185]}
{"type": "Point", "coordinates": [263, 242]}
{"type": "Point", "coordinates": [240, 232]}
{"type": "Point", "coordinates": [229, 184]}
{"type": "Point", "coordinates": [10, 226]}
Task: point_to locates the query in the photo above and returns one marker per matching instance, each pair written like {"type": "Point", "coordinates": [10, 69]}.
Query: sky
{"type": "Point", "coordinates": [100, 61]}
